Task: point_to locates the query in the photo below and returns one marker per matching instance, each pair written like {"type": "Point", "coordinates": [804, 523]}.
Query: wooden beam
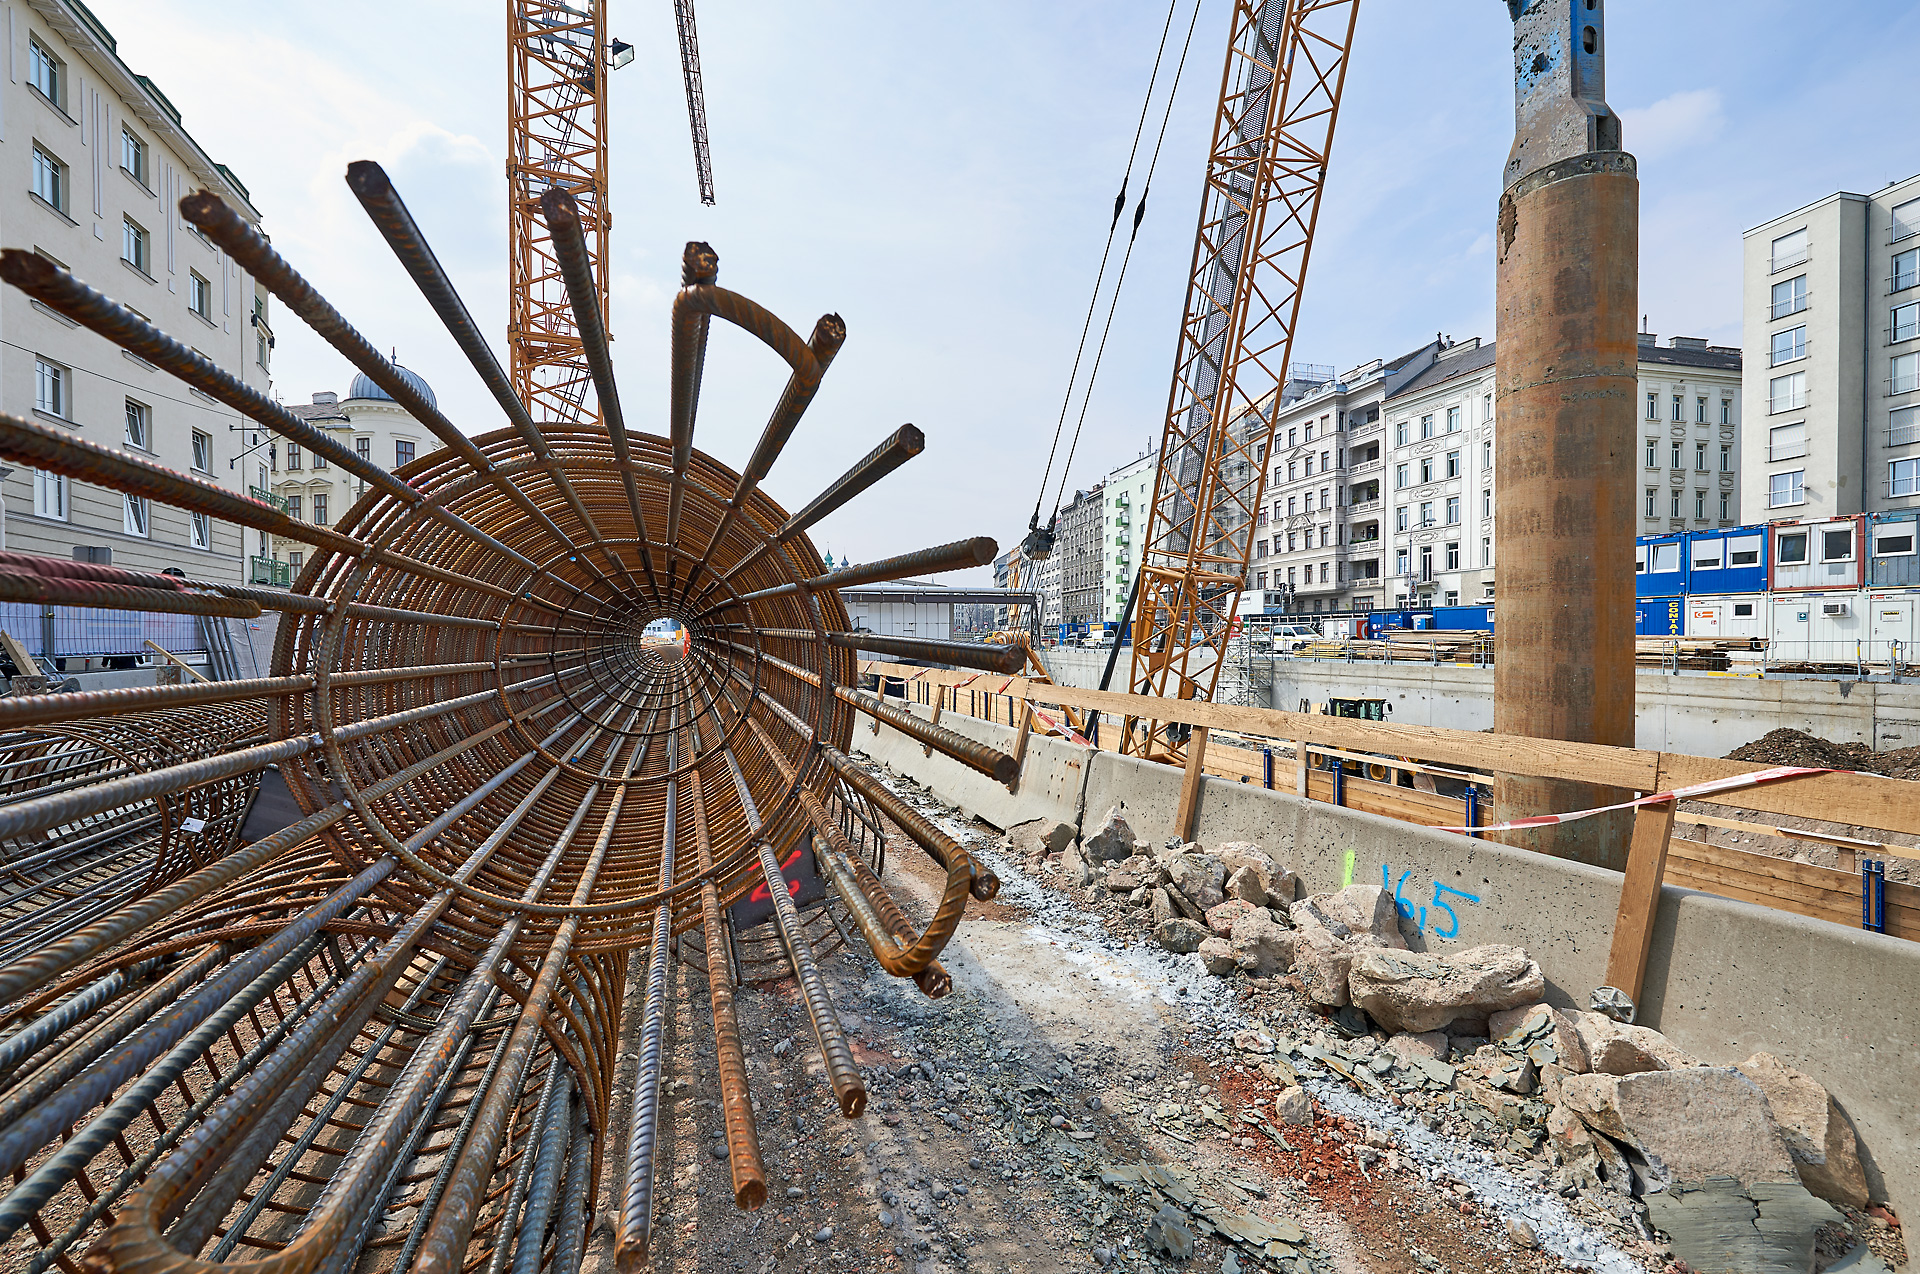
{"type": "Point", "coordinates": [1640, 898]}
{"type": "Point", "coordinates": [23, 661]}
{"type": "Point", "coordinates": [939, 704]}
{"type": "Point", "coordinates": [1189, 812]}
{"type": "Point", "coordinates": [1020, 744]}
{"type": "Point", "coordinates": [191, 670]}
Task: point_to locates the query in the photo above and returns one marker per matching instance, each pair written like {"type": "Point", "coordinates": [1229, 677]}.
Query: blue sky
{"type": "Point", "coordinates": [941, 176]}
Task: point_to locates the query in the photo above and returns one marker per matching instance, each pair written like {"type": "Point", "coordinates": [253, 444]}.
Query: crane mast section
{"type": "Point", "coordinates": [556, 136]}
{"type": "Point", "coordinates": [696, 96]}
{"type": "Point", "coordinates": [1266, 172]}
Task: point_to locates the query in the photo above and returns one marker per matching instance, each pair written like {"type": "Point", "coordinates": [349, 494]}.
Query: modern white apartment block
{"type": "Point", "coordinates": [1127, 499]}
{"type": "Point", "coordinates": [367, 422]}
{"type": "Point", "coordinates": [93, 163]}
{"type": "Point", "coordinates": [1831, 329]}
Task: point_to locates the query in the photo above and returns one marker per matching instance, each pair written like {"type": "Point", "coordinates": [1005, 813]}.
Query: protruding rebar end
{"type": "Point", "coordinates": [699, 265]}
{"type": "Point", "coordinates": [910, 439]}
{"type": "Point", "coordinates": [985, 886]}
{"type": "Point", "coordinates": [558, 203]}
{"type": "Point", "coordinates": [1006, 769]}
{"type": "Point", "coordinates": [26, 270]}
{"type": "Point", "coordinates": [368, 179]}
{"type": "Point", "coordinates": [750, 1196]}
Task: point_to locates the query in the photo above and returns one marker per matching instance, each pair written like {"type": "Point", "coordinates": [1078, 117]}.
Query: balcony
{"type": "Point", "coordinates": [266, 570]}
{"type": "Point", "coordinates": [1364, 467]}
{"type": "Point", "coordinates": [1364, 506]}
{"type": "Point", "coordinates": [267, 497]}
{"type": "Point", "coordinates": [1365, 431]}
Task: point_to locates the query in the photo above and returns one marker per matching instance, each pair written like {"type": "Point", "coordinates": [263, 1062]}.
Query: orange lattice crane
{"type": "Point", "coordinates": [1266, 171]}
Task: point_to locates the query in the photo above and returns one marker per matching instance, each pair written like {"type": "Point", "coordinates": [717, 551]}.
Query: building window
{"type": "Point", "coordinates": [1743, 550]}
{"type": "Point", "coordinates": [1453, 464]}
{"type": "Point", "coordinates": [1293, 540]}
{"type": "Point", "coordinates": [1787, 393]}
{"type": "Point", "coordinates": [1486, 455]}
{"type": "Point", "coordinates": [203, 451]}
{"type": "Point", "coordinates": [1261, 549]}
{"type": "Point", "coordinates": [1726, 457]}
{"type": "Point", "coordinates": [1675, 505]}
{"type": "Point", "coordinates": [1259, 452]}
{"type": "Point", "coordinates": [1906, 269]}
{"type": "Point", "coordinates": [1700, 455]}
{"type": "Point", "coordinates": [133, 245]}
{"type": "Point", "coordinates": [1399, 477]}
{"type": "Point", "coordinates": [49, 495]}
{"type": "Point", "coordinates": [139, 425]}
{"type": "Point", "coordinates": [1308, 436]}
{"type": "Point", "coordinates": [1895, 540]}
{"type": "Point", "coordinates": [50, 388]}
{"type": "Point", "coordinates": [1399, 433]}
{"type": "Point", "coordinates": [293, 456]}
{"type": "Point", "coordinates": [1309, 464]}
{"type": "Point", "coordinates": [49, 178]}
{"type": "Point", "coordinates": [199, 295]}
{"type": "Point", "coordinates": [1261, 581]}
{"type": "Point", "coordinates": [1453, 420]}
{"type": "Point", "coordinates": [1790, 250]}
{"type": "Point", "coordinates": [1791, 549]}
{"type": "Point", "coordinates": [1903, 477]}
{"type": "Point", "coordinates": [1486, 502]}
{"type": "Point", "coordinates": [1789, 296]}
{"type": "Point", "coordinates": [1291, 572]}
{"type": "Point", "coordinates": [1905, 323]}
{"type": "Point", "coordinates": [1325, 568]}
{"type": "Point", "coordinates": [1903, 426]}
{"type": "Point", "coordinates": [1653, 453]}
{"type": "Point", "coordinates": [319, 460]}
{"type": "Point", "coordinates": [1486, 556]}
{"type": "Point", "coordinates": [1426, 561]}
{"type": "Point", "coordinates": [1837, 546]}
{"type": "Point", "coordinates": [1453, 556]}
{"type": "Point", "coordinates": [134, 514]}
{"type": "Point", "coordinates": [1726, 504]}
{"type": "Point", "coordinates": [320, 510]}
{"type": "Point", "coordinates": [293, 507]}
{"type": "Point", "coordinates": [200, 528]}
{"type": "Point", "coordinates": [1678, 416]}
{"type": "Point", "coordinates": [1293, 470]}
{"type": "Point", "coordinates": [1699, 506]}
{"type": "Point", "coordinates": [46, 72]}
{"type": "Point", "coordinates": [1293, 505]}
{"type": "Point", "coordinates": [1400, 562]}
{"type": "Point", "coordinates": [1903, 374]}
{"type": "Point", "coordinates": [1426, 425]}
{"type": "Point", "coordinates": [1788, 345]}
{"type": "Point", "coordinates": [1726, 411]}
{"type": "Point", "coordinates": [1453, 510]}
{"type": "Point", "coordinates": [1400, 518]}
{"type": "Point", "coordinates": [262, 334]}
{"type": "Point", "coordinates": [1426, 513]}
{"type": "Point", "coordinates": [133, 156]}
{"type": "Point", "coordinates": [1785, 488]}
{"type": "Point", "coordinates": [1699, 411]}
{"type": "Point", "coordinates": [1906, 221]}
{"type": "Point", "coordinates": [1486, 407]}
{"type": "Point", "coordinates": [1653, 494]}
{"type": "Point", "coordinates": [1679, 461]}
{"type": "Point", "coordinates": [1653, 406]}
{"type": "Point", "coordinates": [1326, 537]}
{"type": "Point", "coordinates": [1293, 438]}
{"type": "Point", "coordinates": [1426, 469]}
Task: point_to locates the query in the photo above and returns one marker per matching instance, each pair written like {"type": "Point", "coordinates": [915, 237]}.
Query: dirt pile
{"type": "Point", "coordinates": [1796, 747]}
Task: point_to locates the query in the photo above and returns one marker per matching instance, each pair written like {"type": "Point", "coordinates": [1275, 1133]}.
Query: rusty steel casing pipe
{"type": "Point", "coordinates": [1567, 286]}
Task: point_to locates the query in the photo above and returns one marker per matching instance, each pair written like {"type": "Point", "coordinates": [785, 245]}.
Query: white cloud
{"type": "Point", "coordinates": [1691, 117]}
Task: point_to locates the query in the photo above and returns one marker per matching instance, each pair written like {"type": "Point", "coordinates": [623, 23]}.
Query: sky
{"type": "Point", "coordinates": [942, 176]}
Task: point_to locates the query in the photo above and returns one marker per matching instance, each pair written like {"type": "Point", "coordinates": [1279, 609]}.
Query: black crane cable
{"type": "Point", "coordinates": [1139, 212]}
{"type": "Point", "coordinates": [1093, 301]}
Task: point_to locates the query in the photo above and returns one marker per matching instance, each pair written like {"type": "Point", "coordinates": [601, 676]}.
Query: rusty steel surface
{"type": "Point", "coordinates": [1566, 372]}
{"type": "Point", "coordinates": [388, 1035]}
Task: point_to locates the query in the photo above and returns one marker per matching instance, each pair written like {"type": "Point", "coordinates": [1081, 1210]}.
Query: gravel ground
{"type": "Point", "coordinates": [1077, 1103]}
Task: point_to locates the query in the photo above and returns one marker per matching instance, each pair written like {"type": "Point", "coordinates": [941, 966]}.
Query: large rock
{"type": "Point", "coordinates": [1201, 877]}
{"type": "Point", "coordinates": [1323, 962]}
{"type": "Point", "coordinates": [1353, 911]}
{"type": "Point", "coordinates": [1261, 946]}
{"type": "Point", "coordinates": [1248, 884]}
{"type": "Point", "coordinates": [1162, 903]}
{"type": "Point", "coordinates": [1281, 885]}
{"type": "Point", "coordinates": [1039, 836]}
{"type": "Point", "coordinates": [1688, 1125]}
{"type": "Point", "coordinates": [1614, 1048]}
{"type": "Point", "coordinates": [1074, 866]}
{"type": "Point", "coordinates": [1421, 991]}
{"type": "Point", "coordinates": [1187, 906]}
{"type": "Point", "coordinates": [1180, 935]}
{"type": "Point", "coordinates": [1112, 840]}
{"type": "Point", "coordinates": [1216, 954]}
{"type": "Point", "coordinates": [1543, 1034]}
{"type": "Point", "coordinates": [1588, 1161]}
{"type": "Point", "coordinates": [1406, 1046]}
{"type": "Point", "coordinates": [1221, 917]}
{"type": "Point", "coordinates": [1818, 1135]}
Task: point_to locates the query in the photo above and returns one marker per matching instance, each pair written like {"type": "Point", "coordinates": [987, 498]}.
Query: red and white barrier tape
{"type": "Point", "coordinates": [1753, 779]}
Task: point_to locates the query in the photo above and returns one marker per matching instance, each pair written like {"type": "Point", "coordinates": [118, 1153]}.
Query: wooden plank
{"type": "Point", "coordinates": [1020, 744]}
{"type": "Point", "coordinates": [191, 670]}
{"type": "Point", "coordinates": [1639, 898]}
{"type": "Point", "coordinates": [23, 661]}
{"type": "Point", "coordinates": [1188, 814]}
{"type": "Point", "coordinates": [939, 706]}
{"type": "Point", "coordinates": [1745, 877]}
{"type": "Point", "coordinates": [1853, 800]}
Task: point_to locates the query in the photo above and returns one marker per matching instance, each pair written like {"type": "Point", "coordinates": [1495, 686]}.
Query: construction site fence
{"type": "Point", "coordinates": [67, 632]}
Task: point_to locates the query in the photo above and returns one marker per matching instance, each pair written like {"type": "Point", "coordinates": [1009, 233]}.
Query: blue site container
{"type": "Point", "coordinates": [1894, 563]}
{"type": "Point", "coordinates": [1463, 617]}
{"type": "Point", "coordinates": [1660, 565]}
{"type": "Point", "coordinates": [1725, 561]}
{"type": "Point", "coordinates": [1659, 616]}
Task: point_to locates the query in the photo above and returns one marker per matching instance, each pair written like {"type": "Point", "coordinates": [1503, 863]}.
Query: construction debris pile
{"type": "Point", "coordinates": [1796, 747]}
{"type": "Point", "coordinates": [1755, 1163]}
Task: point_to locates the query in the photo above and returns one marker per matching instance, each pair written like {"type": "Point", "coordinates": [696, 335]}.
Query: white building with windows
{"type": "Point", "coordinates": [1127, 499]}
{"type": "Point", "coordinates": [1831, 330]}
{"type": "Point", "coordinates": [1690, 404]}
{"type": "Point", "coordinates": [366, 421]}
{"type": "Point", "coordinates": [93, 163]}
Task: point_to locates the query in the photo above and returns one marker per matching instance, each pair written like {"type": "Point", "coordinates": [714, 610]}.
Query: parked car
{"type": "Point", "coordinates": [1291, 637]}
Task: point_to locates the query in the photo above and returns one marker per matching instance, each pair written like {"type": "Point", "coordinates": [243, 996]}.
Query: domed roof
{"type": "Point", "coordinates": [364, 388]}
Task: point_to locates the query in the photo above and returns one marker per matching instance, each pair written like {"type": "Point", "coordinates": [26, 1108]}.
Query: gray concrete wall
{"type": "Point", "coordinates": [1697, 715]}
{"type": "Point", "coordinates": [1724, 980]}
{"type": "Point", "coordinates": [1050, 782]}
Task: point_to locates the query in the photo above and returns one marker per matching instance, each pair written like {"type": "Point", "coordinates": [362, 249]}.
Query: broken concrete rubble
{"type": "Point", "coordinates": [1544, 1035]}
{"type": "Point", "coordinates": [1614, 1048]}
{"type": "Point", "coordinates": [1221, 916]}
{"type": "Point", "coordinates": [1421, 991]}
{"type": "Point", "coordinates": [1040, 836]}
{"type": "Point", "coordinates": [1216, 956]}
{"type": "Point", "coordinates": [1200, 877]}
{"type": "Point", "coordinates": [1113, 840]}
{"type": "Point", "coordinates": [1818, 1134]}
{"type": "Point", "coordinates": [1262, 947]}
{"type": "Point", "coordinates": [1249, 885]}
{"type": "Point", "coordinates": [1180, 935]}
{"type": "Point", "coordinates": [1686, 1125]}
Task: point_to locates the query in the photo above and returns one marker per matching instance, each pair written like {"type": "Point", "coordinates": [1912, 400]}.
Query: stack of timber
{"type": "Point", "coordinates": [1709, 654]}
{"type": "Point", "coordinates": [1452, 645]}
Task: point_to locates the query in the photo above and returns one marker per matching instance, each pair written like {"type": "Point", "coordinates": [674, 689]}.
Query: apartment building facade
{"type": "Point", "coordinates": [1831, 335]}
{"type": "Point", "coordinates": [1077, 544]}
{"type": "Point", "coordinates": [93, 163]}
{"type": "Point", "coordinates": [368, 422]}
{"type": "Point", "coordinates": [1126, 500]}
{"type": "Point", "coordinates": [1382, 491]}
